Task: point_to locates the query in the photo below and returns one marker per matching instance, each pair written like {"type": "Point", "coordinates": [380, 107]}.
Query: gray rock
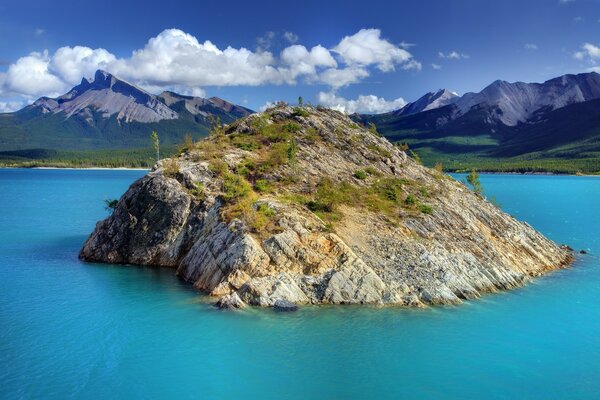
{"type": "Point", "coordinates": [230, 302]}
{"type": "Point", "coordinates": [284, 306]}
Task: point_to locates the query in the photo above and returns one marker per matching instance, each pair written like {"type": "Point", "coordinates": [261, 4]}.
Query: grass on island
{"type": "Point", "coordinates": [271, 173]}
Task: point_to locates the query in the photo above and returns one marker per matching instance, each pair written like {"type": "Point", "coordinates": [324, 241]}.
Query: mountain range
{"type": "Point", "coordinates": [549, 126]}
{"type": "Point", "coordinates": [109, 113]}
{"type": "Point", "coordinates": [555, 122]}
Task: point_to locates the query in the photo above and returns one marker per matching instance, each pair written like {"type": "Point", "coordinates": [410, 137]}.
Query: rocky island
{"type": "Point", "coordinates": [301, 205]}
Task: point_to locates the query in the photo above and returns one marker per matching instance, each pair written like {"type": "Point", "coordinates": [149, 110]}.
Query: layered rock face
{"type": "Point", "coordinates": [303, 205]}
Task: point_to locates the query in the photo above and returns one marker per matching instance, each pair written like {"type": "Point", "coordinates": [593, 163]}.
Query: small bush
{"type": "Point", "coordinates": [246, 142]}
{"type": "Point", "coordinates": [235, 186]}
{"type": "Point", "coordinates": [218, 167]}
{"type": "Point", "coordinates": [110, 204]}
{"type": "Point", "coordinates": [410, 200]}
{"type": "Point", "coordinates": [300, 112]}
{"type": "Point", "coordinates": [401, 146]}
{"type": "Point", "coordinates": [291, 127]}
{"type": "Point", "coordinates": [426, 209]}
{"type": "Point", "coordinates": [198, 191]}
{"type": "Point", "coordinates": [415, 157]}
{"type": "Point", "coordinates": [188, 143]}
{"type": "Point", "coordinates": [373, 129]}
{"type": "Point", "coordinates": [263, 186]}
{"type": "Point", "coordinates": [389, 189]}
{"type": "Point", "coordinates": [473, 180]}
{"type": "Point", "coordinates": [379, 150]}
{"type": "Point", "coordinates": [372, 171]}
{"type": "Point", "coordinates": [171, 168]}
{"type": "Point", "coordinates": [360, 174]}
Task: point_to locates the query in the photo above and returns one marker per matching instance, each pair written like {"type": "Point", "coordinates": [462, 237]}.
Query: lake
{"type": "Point", "coordinates": [75, 330]}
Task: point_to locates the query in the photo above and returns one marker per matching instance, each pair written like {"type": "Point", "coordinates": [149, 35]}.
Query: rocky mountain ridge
{"type": "Point", "coordinates": [529, 124]}
{"type": "Point", "coordinates": [108, 112]}
{"type": "Point", "coordinates": [302, 205]}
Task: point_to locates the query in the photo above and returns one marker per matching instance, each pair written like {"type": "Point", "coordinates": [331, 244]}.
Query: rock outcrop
{"type": "Point", "coordinates": [302, 205]}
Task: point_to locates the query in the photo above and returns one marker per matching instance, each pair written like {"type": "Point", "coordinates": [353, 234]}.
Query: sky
{"type": "Point", "coordinates": [354, 56]}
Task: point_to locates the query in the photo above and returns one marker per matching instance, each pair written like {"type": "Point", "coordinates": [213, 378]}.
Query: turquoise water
{"type": "Point", "coordinates": [74, 330]}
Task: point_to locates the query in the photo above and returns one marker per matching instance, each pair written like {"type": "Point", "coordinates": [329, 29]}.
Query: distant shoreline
{"type": "Point", "coordinates": [82, 168]}
{"type": "Point", "coordinates": [148, 169]}
{"type": "Point", "coordinates": [93, 168]}
{"type": "Point", "coordinates": [522, 173]}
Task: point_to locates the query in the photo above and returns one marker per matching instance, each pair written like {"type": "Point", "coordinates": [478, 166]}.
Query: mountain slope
{"type": "Point", "coordinates": [109, 113]}
{"type": "Point", "coordinates": [429, 101]}
{"type": "Point", "coordinates": [507, 123]}
{"type": "Point", "coordinates": [319, 210]}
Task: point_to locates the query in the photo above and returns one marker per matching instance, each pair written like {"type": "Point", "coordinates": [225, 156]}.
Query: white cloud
{"type": "Point", "coordinates": [366, 47]}
{"type": "Point", "coordinates": [453, 55]}
{"type": "Point", "coordinates": [578, 19]}
{"type": "Point", "coordinates": [589, 51]}
{"type": "Point", "coordinates": [412, 64]}
{"type": "Point", "coordinates": [594, 69]}
{"type": "Point", "coordinates": [39, 31]}
{"type": "Point", "coordinates": [265, 41]}
{"type": "Point", "coordinates": [437, 67]}
{"type": "Point", "coordinates": [337, 78]}
{"type": "Point", "coordinates": [299, 61]}
{"type": "Point", "coordinates": [176, 60]}
{"type": "Point", "coordinates": [531, 46]}
{"type": "Point", "coordinates": [290, 37]}
{"type": "Point", "coordinates": [73, 63]}
{"type": "Point", "coordinates": [29, 76]}
{"type": "Point", "coordinates": [406, 45]}
{"type": "Point", "coordinates": [565, 1]}
{"type": "Point", "coordinates": [368, 104]}
{"type": "Point", "coordinates": [10, 106]}
{"type": "Point", "coordinates": [267, 105]}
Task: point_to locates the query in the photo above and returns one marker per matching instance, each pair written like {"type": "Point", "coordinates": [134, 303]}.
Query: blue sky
{"type": "Point", "coordinates": [328, 52]}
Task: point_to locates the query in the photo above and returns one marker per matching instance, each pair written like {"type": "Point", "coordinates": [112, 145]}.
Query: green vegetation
{"type": "Point", "coordinates": [360, 174]}
{"type": "Point", "coordinates": [372, 171]}
{"type": "Point", "coordinates": [425, 209]}
{"type": "Point", "coordinates": [171, 168]}
{"type": "Point", "coordinates": [385, 196]}
{"type": "Point", "coordinates": [113, 158]}
{"type": "Point", "coordinates": [379, 150]}
{"type": "Point", "coordinates": [110, 204]}
{"type": "Point", "coordinates": [373, 129]}
{"type": "Point", "coordinates": [473, 180]}
{"type": "Point", "coordinates": [300, 112]}
{"type": "Point", "coordinates": [415, 156]}
{"type": "Point", "coordinates": [198, 191]}
{"type": "Point", "coordinates": [155, 144]}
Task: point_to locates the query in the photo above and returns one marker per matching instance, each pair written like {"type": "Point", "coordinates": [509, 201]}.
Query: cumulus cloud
{"type": "Point", "coordinates": [30, 76]}
{"type": "Point", "coordinates": [368, 104]}
{"type": "Point", "coordinates": [297, 60]}
{"type": "Point", "coordinates": [290, 37]}
{"type": "Point", "coordinates": [453, 55]}
{"type": "Point", "coordinates": [436, 66]}
{"type": "Point", "coordinates": [176, 60]}
{"type": "Point", "coordinates": [588, 51]}
{"type": "Point", "coordinates": [265, 41]}
{"type": "Point", "coordinates": [366, 47]}
{"type": "Point", "coordinates": [337, 78]}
